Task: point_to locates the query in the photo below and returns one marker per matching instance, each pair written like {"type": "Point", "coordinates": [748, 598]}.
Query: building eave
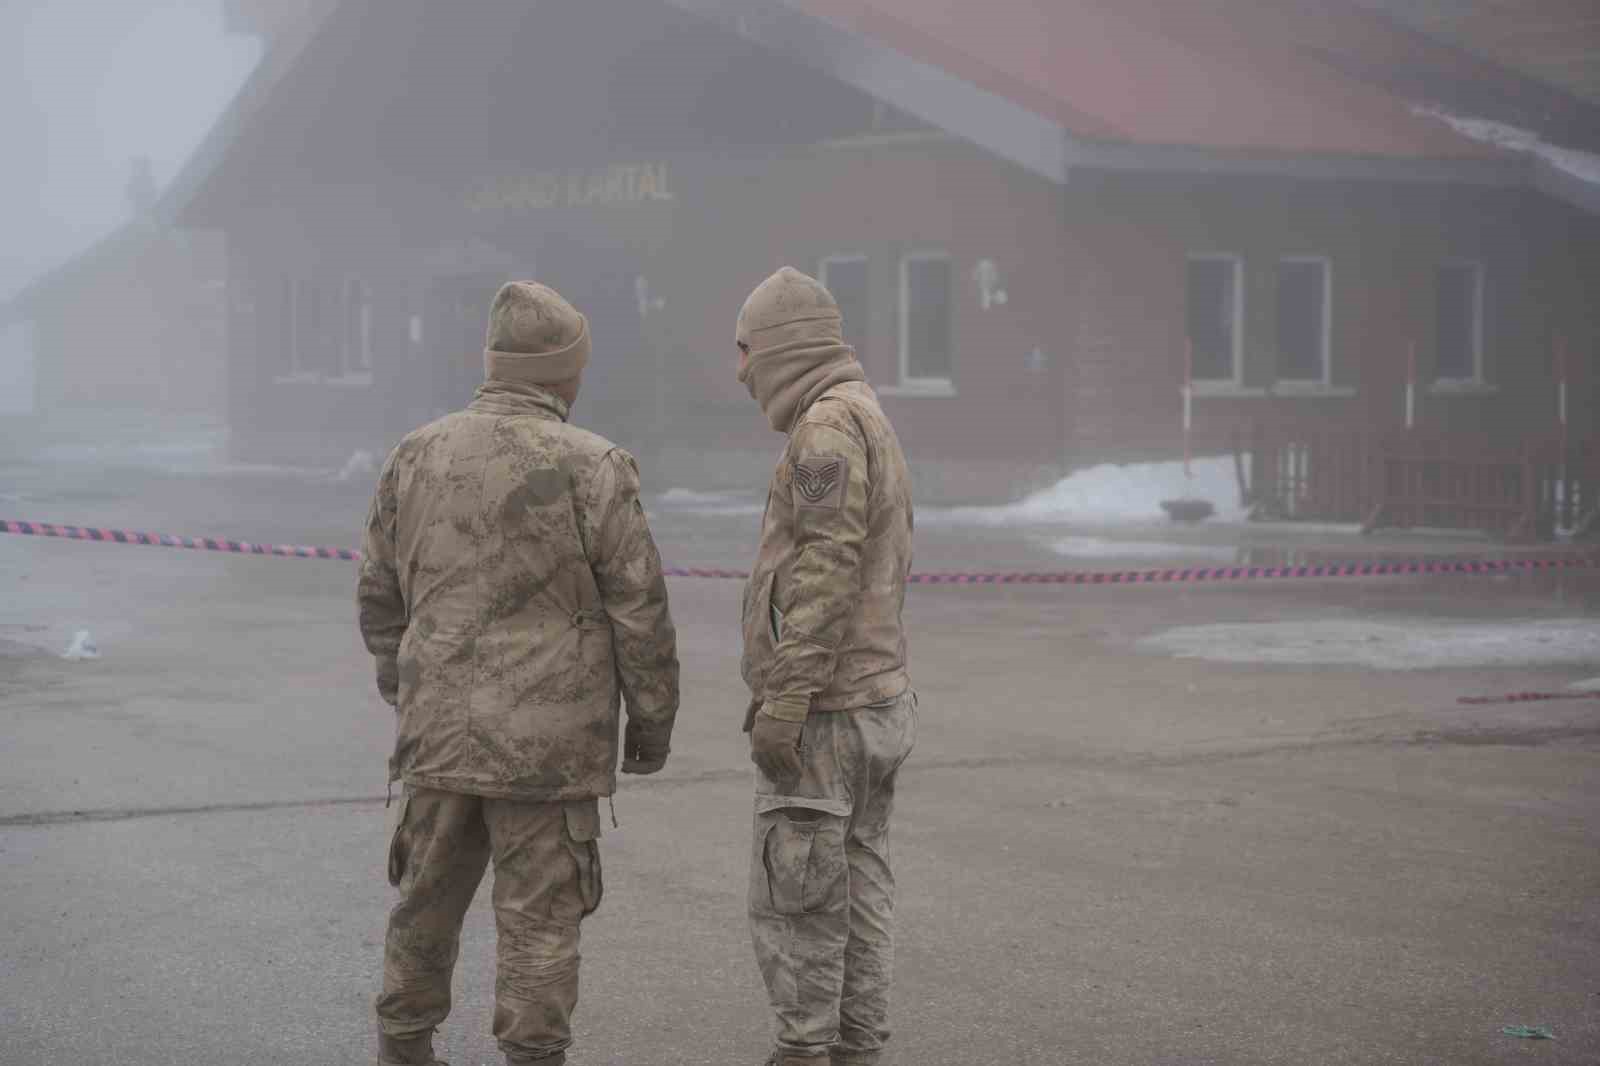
{"type": "Point", "coordinates": [986, 119]}
{"type": "Point", "coordinates": [1046, 148]}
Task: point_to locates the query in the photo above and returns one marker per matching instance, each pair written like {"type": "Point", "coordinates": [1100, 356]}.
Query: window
{"type": "Point", "coordinates": [1215, 312]}
{"type": "Point", "coordinates": [304, 315]}
{"type": "Point", "coordinates": [846, 277]}
{"type": "Point", "coordinates": [926, 351]}
{"type": "Point", "coordinates": [1458, 322]}
{"type": "Point", "coordinates": [357, 346]}
{"type": "Point", "coordinates": [1304, 288]}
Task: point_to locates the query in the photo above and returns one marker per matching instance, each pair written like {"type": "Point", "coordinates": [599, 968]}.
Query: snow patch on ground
{"type": "Point", "coordinates": [688, 501]}
{"type": "Point", "coordinates": [203, 454]}
{"type": "Point", "coordinates": [1584, 166]}
{"type": "Point", "coordinates": [1113, 494]}
{"type": "Point", "coordinates": [362, 464]}
{"type": "Point", "coordinates": [82, 647]}
{"type": "Point", "coordinates": [1588, 685]}
{"type": "Point", "coordinates": [1102, 548]}
{"type": "Point", "coordinates": [1422, 644]}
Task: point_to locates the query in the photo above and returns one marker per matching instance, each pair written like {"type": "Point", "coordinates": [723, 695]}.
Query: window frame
{"type": "Point", "coordinates": [301, 350]}
{"type": "Point", "coordinates": [1479, 294]}
{"type": "Point", "coordinates": [906, 381]}
{"type": "Point", "coordinates": [1237, 260]}
{"type": "Point", "coordinates": [842, 257]}
{"type": "Point", "coordinates": [355, 366]}
{"type": "Point", "coordinates": [297, 373]}
{"type": "Point", "coordinates": [1326, 339]}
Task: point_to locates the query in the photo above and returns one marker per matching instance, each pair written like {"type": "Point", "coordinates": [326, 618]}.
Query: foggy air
{"type": "Point", "coordinates": [1050, 531]}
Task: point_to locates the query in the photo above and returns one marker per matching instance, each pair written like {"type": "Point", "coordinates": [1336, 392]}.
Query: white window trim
{"type": "Point", "coordinates": [352, 372]}
{"type": "Point", "coordinates": [1460, 387]}
{"type": "Point", "coordinates": [1312, 390]}
{"type": "Point", "coordinates": [908, 385]}
{"type": "Point", "coordinates": [1216, 388]}
{"type": "Point", "coordinates": [1236, 381]}
{"type": "Point", "coordinates": [1326, 380]}
{"type": "Point", "coordinates": [1476, 382]}
{"type": "Point", "coordinates": [921, 387]}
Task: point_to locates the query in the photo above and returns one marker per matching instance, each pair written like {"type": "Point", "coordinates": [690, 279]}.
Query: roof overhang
{"type": "Point", "coordinates": [1044, 147]}
{"type": "Point", "coordinates": [994, 122]}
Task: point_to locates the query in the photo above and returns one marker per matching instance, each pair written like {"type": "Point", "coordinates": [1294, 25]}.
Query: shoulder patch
{"type": "Point", "coordinates": [820, 481]}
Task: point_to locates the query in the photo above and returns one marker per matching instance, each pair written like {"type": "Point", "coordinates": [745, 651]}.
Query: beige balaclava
{"type": "Point", "coordinates": [791, 326]}
{"type": "Point", "coordinates": [535, 337]}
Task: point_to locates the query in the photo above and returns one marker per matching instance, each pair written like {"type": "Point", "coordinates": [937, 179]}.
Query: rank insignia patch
{"type": "Point", "coordinates": [819, 481]}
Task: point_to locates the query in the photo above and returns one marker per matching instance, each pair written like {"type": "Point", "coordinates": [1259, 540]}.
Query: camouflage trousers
{"type": "Point", "coordinates": [546, 881]}
{"type": "Point", "coordinates": [821, 887]}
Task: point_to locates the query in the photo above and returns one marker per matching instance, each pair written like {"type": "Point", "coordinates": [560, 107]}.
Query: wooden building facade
{"type": "Point", "coordinates": [1040, 219]}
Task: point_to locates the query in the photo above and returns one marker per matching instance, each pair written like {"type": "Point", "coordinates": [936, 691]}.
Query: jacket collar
{"type": "Point", "coordinates": [498, 397]}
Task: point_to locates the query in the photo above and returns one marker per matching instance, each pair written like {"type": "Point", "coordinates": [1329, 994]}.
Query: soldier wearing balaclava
{"type": "Point", "coordinates": [832, 714]}
{"type": "Point", "coordinates": [513, 599]}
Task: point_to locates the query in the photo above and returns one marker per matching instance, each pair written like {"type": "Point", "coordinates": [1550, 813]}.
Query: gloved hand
{"type": "Point", "coordinates": [775, 747]}
{"type": "Point", "coordinates": [642, 752]}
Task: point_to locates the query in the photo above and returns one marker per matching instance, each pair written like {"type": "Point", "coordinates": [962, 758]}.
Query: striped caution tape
{"type": "Point", "coordinates": [1527, 697]}
{"type": "Point", "coordinates": [1183, 575]}
{"type": "Point", "coordinates": [163, 540]}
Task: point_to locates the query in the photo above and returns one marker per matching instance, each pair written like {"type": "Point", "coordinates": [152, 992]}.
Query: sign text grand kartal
{"type": "Point", "coordinates": [618, 184]}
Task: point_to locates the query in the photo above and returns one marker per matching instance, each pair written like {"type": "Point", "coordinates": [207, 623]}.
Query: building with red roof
{"type": "Point", "coordinates": [1041, 217]}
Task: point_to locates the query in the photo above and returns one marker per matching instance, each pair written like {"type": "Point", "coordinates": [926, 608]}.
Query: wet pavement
{"type": "Point", "coordinates": [1107, 853]}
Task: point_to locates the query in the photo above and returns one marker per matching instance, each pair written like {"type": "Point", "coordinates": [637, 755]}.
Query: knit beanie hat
{"type": "Point", "coordinates": [535, 336]}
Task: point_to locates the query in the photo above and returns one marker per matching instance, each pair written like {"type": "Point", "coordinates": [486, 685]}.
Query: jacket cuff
{"type": "Point", "coordinates": [786, 711]}
{"type": "Point", "coordinates": [389, 679]}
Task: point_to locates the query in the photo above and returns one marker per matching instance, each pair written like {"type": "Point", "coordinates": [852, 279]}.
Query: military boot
{"type": "Point", "coordinates": [791, 1058]}
{"type": "Point", "coordinates": [416, 1051]}
{"type": "Point", "coordinates": [859, 1058]}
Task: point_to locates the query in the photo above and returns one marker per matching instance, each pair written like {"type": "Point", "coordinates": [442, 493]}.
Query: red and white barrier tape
{"type": "Point", "coordinates": [1185, 575]}
{"type": "Point", "coordinates": [1527, 697]}
{"type": "Point", "coordinates": [163, 540]}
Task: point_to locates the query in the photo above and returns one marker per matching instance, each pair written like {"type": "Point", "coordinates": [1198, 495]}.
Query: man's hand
{"type": "Point", "coordinates": [775, 747]}
{"type": "Point", "coordinates": [641, 752]}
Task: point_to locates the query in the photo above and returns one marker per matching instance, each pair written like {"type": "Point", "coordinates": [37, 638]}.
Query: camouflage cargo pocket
{"type": "Point", "coordinates": [803, 858]}
{"type": "Point", "coordinates": [398, 852]}
{"type": "Point", "coordinates": [583, 833]}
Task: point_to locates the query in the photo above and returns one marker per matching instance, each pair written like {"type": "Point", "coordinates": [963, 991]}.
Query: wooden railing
{"type": "Point", "coordinates": [1411, 479]}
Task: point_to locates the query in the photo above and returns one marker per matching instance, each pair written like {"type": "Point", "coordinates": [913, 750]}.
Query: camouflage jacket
{"type": "Point", "coordinates": [512, 595]}
{"type": "Point", "coordinates": [822, 609]}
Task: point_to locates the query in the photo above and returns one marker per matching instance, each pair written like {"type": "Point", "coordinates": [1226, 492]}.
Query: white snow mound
{"type": "Point", "coordinates": [82, 647]}
{"type": "Point", "coordinates": [1421, 644]}
{"type": "Point", "coordinates": [1112, 494]}
{"type": "Point", "coordinates": [361, 464]}
{"type": "Point", "coordinates": [689, 501]}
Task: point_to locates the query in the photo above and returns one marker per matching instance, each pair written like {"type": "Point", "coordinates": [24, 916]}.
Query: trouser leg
{"type": "Point", "coordinates": [438, 855]}
{"type": "Point", "coordinates": [799, 922]}
{"type": "Point", "coordinates": [821, 888]}
{"type": "Point", "coordinates": [885, 738]}
{"type": "Point", "coordinates": [869, 953]}
{"type": "Point", "coordinates": [547, 879]}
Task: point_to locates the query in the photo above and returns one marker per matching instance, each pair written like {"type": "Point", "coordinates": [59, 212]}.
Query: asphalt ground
{"type": "Point", "coordinates": [1105, 854]}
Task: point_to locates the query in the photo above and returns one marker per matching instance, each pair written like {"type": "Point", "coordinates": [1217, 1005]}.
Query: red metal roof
{"type": "Point", "coordinates": [1234, 75]}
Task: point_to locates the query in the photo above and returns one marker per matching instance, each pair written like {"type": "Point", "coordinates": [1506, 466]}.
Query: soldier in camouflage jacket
{"type": "Point", "coordinates": [513, 599]}
{"type": "Point", "coordinates": [832, 715]}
